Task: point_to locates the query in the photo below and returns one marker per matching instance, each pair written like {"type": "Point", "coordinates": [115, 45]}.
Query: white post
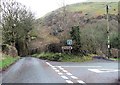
{"type": "Point", "coordinates": [108, 31]}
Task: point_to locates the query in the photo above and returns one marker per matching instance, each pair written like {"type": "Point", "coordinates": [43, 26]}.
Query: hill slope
{"type": "Point", "coordinates": [55, 26]}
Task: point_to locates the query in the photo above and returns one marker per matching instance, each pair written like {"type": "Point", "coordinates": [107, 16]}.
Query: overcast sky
{"type": "Point", "coordinates": [42, 7]}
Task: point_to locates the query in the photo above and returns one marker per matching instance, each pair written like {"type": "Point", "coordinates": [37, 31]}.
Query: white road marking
{"type": "Point", "coordinates": [61, 68]}
{"type": "Point", "coordinates": [80, 81]}
{"type": "Point", "coordinates": [54, 68]}
{"type": "Point", "coordinates": [64, 71]}
{"type": "Point", "coordinates": [103, 70]}
{"type": "Point", "coordinates": [60, 73]}
{"type": "Point", "coordinates": [74, 77]}
{"type": "Point", "coordinates": [57, 70]}
{"type": "Point", "coordinates": [80, 66]}
{"type": "Point", "coordinates": [69, 74]}
{"type": "Point", "coordinates": [69, 81]}
{"type": "Point", "coordinates": [64, 77]}
{"type": "Point", "coordinates": [49, 64]}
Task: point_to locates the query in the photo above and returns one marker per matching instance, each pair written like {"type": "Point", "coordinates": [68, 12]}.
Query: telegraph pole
{"type": "Point", "coordinates": [108, 32]}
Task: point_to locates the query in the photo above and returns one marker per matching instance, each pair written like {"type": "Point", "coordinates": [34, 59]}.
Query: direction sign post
{"type": "Point", "coordinates": [69, 42]}
{"type": "Point", "coordinates": [68, 47]}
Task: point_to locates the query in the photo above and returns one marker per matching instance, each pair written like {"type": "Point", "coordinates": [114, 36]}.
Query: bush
{"type": "Point", "coordinates": [57, 57]}
{"type": "Point", "coordinates": [9, 50]}
{"type": "Point", "coordinates": [64, 57]}
{"type": "Point", "coordinates": [50, 56]}
{"type": "Point", "coordinates": [55, 47]}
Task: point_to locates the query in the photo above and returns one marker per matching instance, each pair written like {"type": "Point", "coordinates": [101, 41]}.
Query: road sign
{"type": "Point", "coordinates": [69, 42]}
{"type": "Point", "coordinates": [67, 47]}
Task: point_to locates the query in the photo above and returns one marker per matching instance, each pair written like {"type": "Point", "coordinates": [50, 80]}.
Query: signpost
{"type": "Point", "coordinates": [108, 31]}
{"type": "Point", "coordinates": [68, 47]}
{"type": "Point", "coordinates": [69, 42]}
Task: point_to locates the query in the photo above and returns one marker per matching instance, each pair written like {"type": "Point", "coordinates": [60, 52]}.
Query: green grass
{"type": "Point", "coordinates": [77, 58]}
{"type": "Point", "coordinates": [116, 59]}
{"type": "Point", "coordinates": [63, 57]}
{"type": "Point", "coordinates": [7, 61]}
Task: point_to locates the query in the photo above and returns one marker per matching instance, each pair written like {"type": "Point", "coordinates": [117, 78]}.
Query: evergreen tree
{"type": "Point", "coordinates": [75, 35]}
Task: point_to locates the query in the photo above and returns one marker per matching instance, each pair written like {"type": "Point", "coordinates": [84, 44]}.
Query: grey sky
{"type": "Point", "coordinates": [42, 7]}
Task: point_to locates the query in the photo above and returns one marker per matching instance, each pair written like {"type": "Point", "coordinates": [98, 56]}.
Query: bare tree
{"type": "Point", "coordinates": [17, 22]}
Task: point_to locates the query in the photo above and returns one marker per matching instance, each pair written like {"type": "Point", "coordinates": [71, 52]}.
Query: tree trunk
{"type": "Point", "coordinates": [22, 48]}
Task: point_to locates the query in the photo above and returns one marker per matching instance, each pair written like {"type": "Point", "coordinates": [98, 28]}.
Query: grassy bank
{"type": "Point", "coordinates": [115, 59]}
{"type": "Point", "coordinates": [63, 57]}
{"type": "Point", "coordinates": [7, 61]}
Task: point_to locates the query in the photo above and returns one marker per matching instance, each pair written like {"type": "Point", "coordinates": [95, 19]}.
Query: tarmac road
{"type": "Point", "coordinates": [33, 70]}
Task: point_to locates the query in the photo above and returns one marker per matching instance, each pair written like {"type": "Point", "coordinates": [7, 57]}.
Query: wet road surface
{"type": "Point", "coordinates": [33, 70]}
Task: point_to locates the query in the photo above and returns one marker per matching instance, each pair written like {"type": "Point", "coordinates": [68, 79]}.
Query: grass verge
{"type": "Point", "coordinates": [63, 57]}
{"type": "Point", "coordinates": [7, 61]}
{"type": "Point", "coordinates": [115, 59]}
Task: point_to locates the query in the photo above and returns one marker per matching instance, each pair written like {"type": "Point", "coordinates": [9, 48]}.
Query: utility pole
{"type": "Point", "coordinates": [108, 32]}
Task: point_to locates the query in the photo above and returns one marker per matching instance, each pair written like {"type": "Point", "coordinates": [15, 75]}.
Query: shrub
{"type": "Point", "coordinates": [9, 50]}
{"type": "Point", "coordinates": [50, 56]}
{"type": "Point", "coordinates": [57, 57]}
{"type": "Point", "coordinates": [64, 57]}
{"type": "Point", "coordinates": [54, 47]}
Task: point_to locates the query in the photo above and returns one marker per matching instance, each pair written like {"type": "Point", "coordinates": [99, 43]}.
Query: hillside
{"type": "Point", "coordinates": [93, 9]}
{"type": "Point", "coordinates": [55, 26]}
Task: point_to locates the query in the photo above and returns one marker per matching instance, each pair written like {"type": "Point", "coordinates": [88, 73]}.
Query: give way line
{"type": "Point", "coordinates": [59, 69]}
